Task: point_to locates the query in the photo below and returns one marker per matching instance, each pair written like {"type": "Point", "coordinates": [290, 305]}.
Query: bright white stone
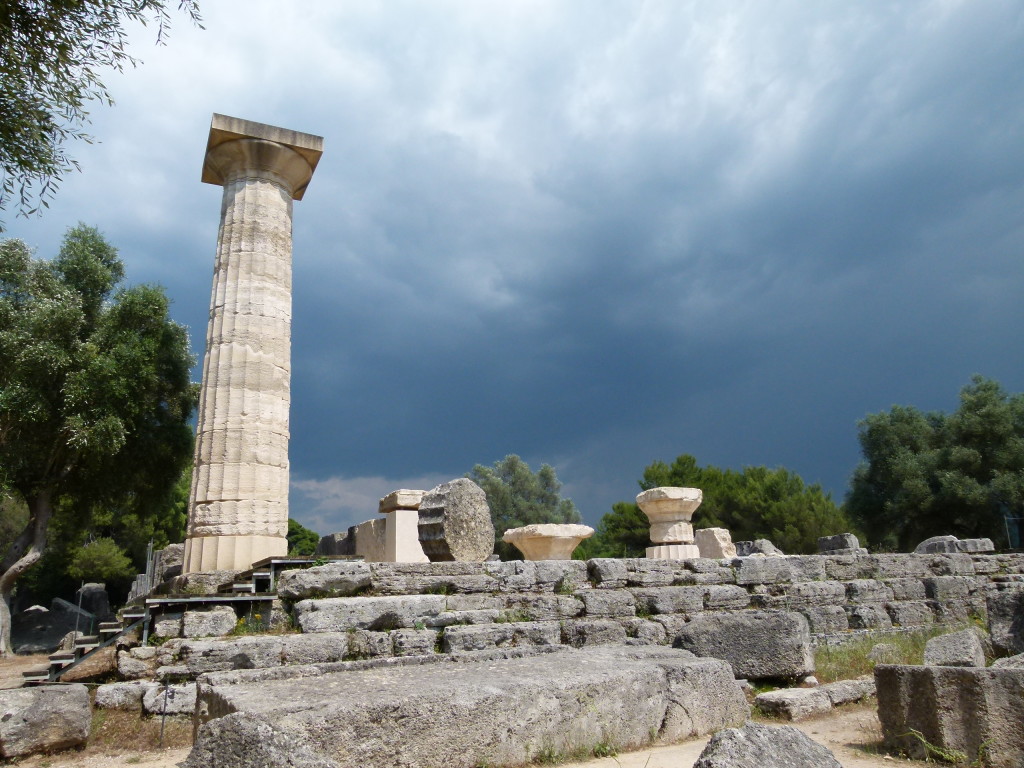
{"type": "Point", "coordinates": [714, 543]}
{"type": "Point", "coordinates": [548, 541]}
{"type": "Point", "coordinates": [403, 498]}
{"type": "Point", "coordinates": [673, 552]}
{"type": "Point", "coordinates": [669, 510]}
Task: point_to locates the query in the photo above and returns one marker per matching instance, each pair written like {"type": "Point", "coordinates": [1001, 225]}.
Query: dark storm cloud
{"type": "Point", "coordinates": [597, 235]}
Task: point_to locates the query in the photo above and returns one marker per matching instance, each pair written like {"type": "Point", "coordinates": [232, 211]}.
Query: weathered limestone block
{"type": "Point", "coordinates": [547, 541]}
{"type": "Point", "coordinates": [403, 498]}
{"type": "Point", "coordinates": [806, 568]}
{"type": "Point", "coordinates": [241, 740]}
{"type": "Point", "coordinates": [673, 623]}
{"type": "Point", "coordinates": [123, 696]}
{"type": "Point", "coordinates": [505, 712]}
{"type": "Point", "coordinates": [456, 639]}
{"type": "Point", "coordinates": [137, 663]}
{"type": "Point", "coordinates": [762, 570]}
{"type": "Point", "coordinates": [950, 587]}
{"type": "Point", "coordinates": [607, 604]}
{"type": "Point", "coordinates": [213, 621]}
{"type": "Point", "coordinates": [541, 607]}
{"type": "Point", "coordinates": [338, 579]}
{"type": "Point", "coordinates": [1010, 662]}
{"type": "Point", "coordinates": [364, 644]}
{"type": "Point", "coordinates": [827, 544]}
{"type": "Point", "coordinates": [315, 647]}
{"type": "Point", "coordinates": [557, 575]}
{"type": "Point", "coordinates": [868, 591]}
{"type": "Point", "coordinates": [170, 699]}
{"type": "Point", "coordinates": [644, 632]}
{"type": "Point", "coordinates": [794, 703]}
{"type": "Point", "coordinates": [608, 573]}
{"type": "Point", "coordinates": [371, 540]}
{"type": "Point", "coordinates": [714, 543]}
{"type": "Point", "coordinates": [342, 543]}
{"type": "Point", "coordinates": [167, 625]}
{"type": "Point", "coordinates": [446, 618]}
{"type": "Point", "coordinates": [807, 593]}
{"type": "Point", "coordinates": [764, 746]}
{"type": "Point", "coordinates": [849, 691]}
{"type": "Point", "coordinates": [414, 642]}
{"type": "Point", "coordinates": [199, 656]}
{"type": "Point", "coordinates": [910, 613]}
{"type": "Point", "coordinates": [703, 571]}
{"type": "Point", "coordinates": [43, 719]}
{"type": "Point", "coordinates": [338, 614]}
{"type": "Point", "coordinates": [1006, 620]}
{"type": "Point", "coordinates": [826, 619]}
{"type": "Point", "coordinates": [900, 566]}
{"type": "Point", "coordinates": [936, 544]}
{"type": "Point", "coordinates": [848, 567]}
{"type": "Point", "coordinates": [688, 600]}
{"type": "Point", "coordinates": [644, 572]}
{"type": "Point", "coordinates": [476, 602]}
{"type": "Point", "coordinates": [758, 644]}
{"type": "Point", "coordinates": [907, 589]}
{"type": "Point", "coordinates": [944, 703]}
{"type": "Point", "coordinates": [586, 632]}
{"type": "Point", "coordinates": [446, 577]}
{"type": "Point", "coordinates": [455, 522]}
{"type": "Point", "coordinates": [757, 547]}
{"type": "Point", "coordinates": [868, 616]}
{"type": "Point", "coordinates": [955, 649]}
{"type": "Point", "coordinates": [975, 545]}
{"type": "Point", "coordinates": [725, 597]}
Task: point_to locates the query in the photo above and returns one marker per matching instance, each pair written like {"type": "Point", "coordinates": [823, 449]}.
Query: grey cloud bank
{"type": "Point", "coordinates": [594, 235]}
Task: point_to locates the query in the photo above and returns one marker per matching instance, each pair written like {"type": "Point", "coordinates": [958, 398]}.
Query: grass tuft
{"type": "Point", "coordinates": [850, 659]}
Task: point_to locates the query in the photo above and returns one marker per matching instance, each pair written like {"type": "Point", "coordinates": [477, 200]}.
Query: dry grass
{"type": "Point", "coordinates": [114, 731]}
{"type": "Point", "coordinates": [850, 659]}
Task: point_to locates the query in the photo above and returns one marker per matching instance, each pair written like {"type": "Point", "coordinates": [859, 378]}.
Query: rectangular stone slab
{"type": "Point", "coordinates": [504, 712]}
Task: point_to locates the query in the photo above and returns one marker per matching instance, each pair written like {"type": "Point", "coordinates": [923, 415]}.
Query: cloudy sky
{"type": "Point", "coordinates": [593, 234]}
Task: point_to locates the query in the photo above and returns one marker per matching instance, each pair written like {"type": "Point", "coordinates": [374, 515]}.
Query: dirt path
{"type": "Point", "coordinates": [851, 732]}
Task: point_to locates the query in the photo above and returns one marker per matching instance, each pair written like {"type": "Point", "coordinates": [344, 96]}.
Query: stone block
{"type": "Point", "coordinates": [807, 593]}
{"type": "Point", "coordinates": [364, 644]}
{"type": "Point", "coordinates": [714, 543]}
{"type": "Point", "coordinates": [725, 597]}
{"type": "Point", "coordinates": [644, 632]}
{"type": "Point", "coordinates": [907, 589]}
{"type": "Point", "coordinates": [247, 652]}
{"type": "Point", "coordinates": [762, 570]}
{"type": "Point", "coordinates": [414, 642]}
{"type": "Point", "coordinates": [641, 572]}
{"type": "Point", "coordinates": [868, 591]}
{"type": "Point", "coordinates": [936, 544]}
{"type": "Point", "coordinates": [672, 552]}
{"type": "Point", "coordinates": [499, 713]}
{"type": "Point", "coordinates": [586, 632]}
{"type": "Point", "coordinates": [455, 522]}
{"type": "Point", "coordinates": [43, 719]}
{"type": "Point", "coordinates": [758, 644]}
{"type": "Point", "coordinates": [764, 746]}
{"type": "Point", "coordinates": [688, 600]}
{"type": "Point", "coordinates": [608, 573]}
{"type": "Point", "coordinates": [403, 498]}
{"type": "Point", "coordinates": [955, 649]}
{"type": "Point", "coordinates": [826, 619]}
{"type": "Point", "coordinates": [1010, 662]}
{"type": "Point", "coordinates": [600, 603]}
{"type": "Point", "coordinates": [341, 544]}
{"type": "Point", "coordinates": [757, 547]}
{"type": "Point", "coordinates": [704, 571]}
{"type": "Point", "coordinates": [848, 691]}
{"type": "Point", "coordinates": [167, 625]}
{"type": "Point", "coordinates": [446, 618]}
{"type": "Point", "coordinates": [338, 614]}
{"type": "Point", "coordinates": [868, 616]}
{"type": "Point", "coordinates": [848, 567]}
{"type": "Point", "coordinates": [910, 613]}
{"type": "Point", "coordinates": [131, 667]}
{"type": "Point", "coordinates": [547, 607]}
{"type": "Point", "coordinates": [478, 638]}
{"type": "Point", "coordinates": [401, 537]}
{"type": "Point", "coordinates": [961, 709]}
{"type": "Point", "coordinates": [806, 568]}
{"type": "Point", "coordinates": [828, 544]}
{"type": "Point", "coordinates": [949, 587]}
{"type": "Point", "coordinates": [794, 703]}
{"type": "Point", "coordinates": [560, 575]}
{"type": "Point", "coordinates": [975, 545]}
{"type": "Point", "coordinates": [1006, 620]}
{"type": "Point", "coordinates": [901, 566]}
{"type": "Point", "coordinates": [124, 696]}
{"type": "Point", "coordinates": [371, 540]}
{"type": "Point", "coordinates": [170, 699]}
{"type": "Point", "coordinates": [212, 621]}
{"type": "Point", "coordinates": [316, 648]}
{"type": "Point", "coordinates": [241, 740]}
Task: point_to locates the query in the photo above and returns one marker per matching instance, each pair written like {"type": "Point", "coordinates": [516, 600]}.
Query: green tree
{"type": "Point", "coordinates": [518, 497]}
{"type": "Point", "coordinates": [52, 55]}
{"type": "Point", "coordinates": [756, 503]}
{"type": "Point", "coordinates": [928, 474]}
{"type": "Point", "coordinates": [100, 560]}
{"type": "Point", "coordinates": [301, 540]}
{"type": "Point", "coordinates": [95, 397]}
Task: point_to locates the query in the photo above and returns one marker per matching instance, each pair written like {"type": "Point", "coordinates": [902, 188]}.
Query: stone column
{"type": "Point", "coordinates": [238, 509]}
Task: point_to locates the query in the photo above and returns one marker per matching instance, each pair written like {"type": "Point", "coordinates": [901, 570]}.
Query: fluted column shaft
{"type": "Point", "coordinates": [238, 511]}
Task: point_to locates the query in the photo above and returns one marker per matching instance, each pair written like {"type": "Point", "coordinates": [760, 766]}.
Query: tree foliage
{"type": "Point", "coordinates": [52, 55]}
{"type": "Point", "coordinates": [928, 474]}
{"type": "Point", "coordinates": [100, 560]}
{"type": "Point", "coordinates": [95, 395]}
{"type": "Point", "coordinates": [519, 497]}
{"type": "Point", "coordinates": [755, 503]}
{"type": "Point", "coordinates": [301, 540]}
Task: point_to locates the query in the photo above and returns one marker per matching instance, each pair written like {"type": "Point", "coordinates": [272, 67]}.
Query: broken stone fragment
{"type": "Point", "coordinates": [455, 523]}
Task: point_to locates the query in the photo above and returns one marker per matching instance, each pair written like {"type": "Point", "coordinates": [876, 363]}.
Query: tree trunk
{"type": "Point", "coordinates": [22, 555]}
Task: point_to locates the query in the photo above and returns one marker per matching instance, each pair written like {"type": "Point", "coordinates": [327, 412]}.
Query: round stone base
{"type": "Point", "coordinates": [673, 552]}
{"type": "Point", "coordinates": [230, 553]}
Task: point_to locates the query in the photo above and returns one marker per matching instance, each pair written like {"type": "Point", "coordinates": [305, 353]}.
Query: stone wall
{"type": "Point", "coordinates": [357, 610]}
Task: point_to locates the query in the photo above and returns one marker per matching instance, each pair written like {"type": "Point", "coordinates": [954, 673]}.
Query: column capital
{"type": "Point", "coordinates": [237, 146]}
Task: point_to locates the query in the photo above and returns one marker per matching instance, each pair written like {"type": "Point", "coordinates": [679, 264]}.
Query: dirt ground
{"type": "Point", "coordinates": [851, 732]}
